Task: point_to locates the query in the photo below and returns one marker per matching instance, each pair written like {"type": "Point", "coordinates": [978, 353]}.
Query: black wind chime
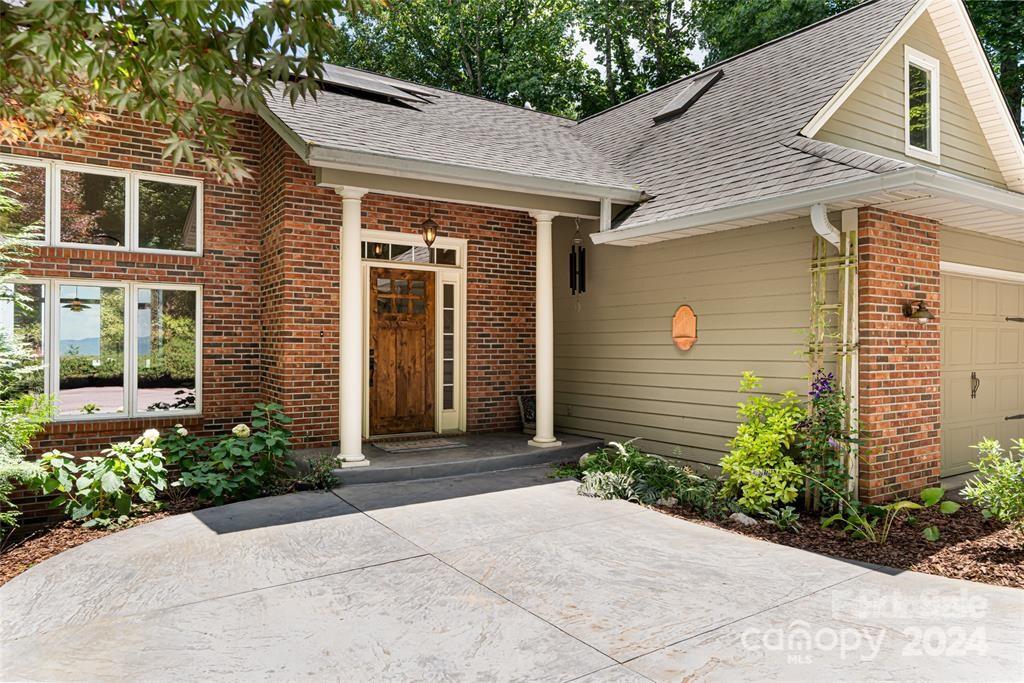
{"type": "Point", "coordinates": [577, 267]}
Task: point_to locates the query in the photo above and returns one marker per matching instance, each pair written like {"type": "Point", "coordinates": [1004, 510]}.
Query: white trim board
{"type": "Point", "coordinates": [951, 268]}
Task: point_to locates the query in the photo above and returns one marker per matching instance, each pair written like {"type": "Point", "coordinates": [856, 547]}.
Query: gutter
{"type": "Point", "coordinates": [403, 167]}
{"type": "Point", "coordinates": [927, 179]}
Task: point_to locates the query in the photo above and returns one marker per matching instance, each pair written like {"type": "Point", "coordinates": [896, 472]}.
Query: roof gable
{"type": "Point", "coordinates": [985, 144]}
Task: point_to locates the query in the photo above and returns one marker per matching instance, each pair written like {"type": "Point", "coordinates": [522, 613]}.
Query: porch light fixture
{"type": "Point", "coordinates": [428, 228]}
{"type": "Point", "coordinates": [917, 310]}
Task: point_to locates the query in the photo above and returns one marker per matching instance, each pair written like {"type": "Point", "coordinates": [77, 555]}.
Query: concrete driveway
{"type": "Point", "coordinates": [494, 577]}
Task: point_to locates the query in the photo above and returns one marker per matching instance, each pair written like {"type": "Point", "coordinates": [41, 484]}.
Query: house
{"type": "Point", "coordinates": [860, 178]}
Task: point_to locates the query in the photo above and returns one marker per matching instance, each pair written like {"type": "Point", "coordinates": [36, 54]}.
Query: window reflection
{"type": "Point", "coordinates": [22, 320]}
{"type": "Point", "coordinates": [166, 320]}
{"type": "Point", "coordinates": [920, 108]}
{"type": "Point", "coordinates": [92, 208]}
{"type": "Point", "coordinates": [27, 184]}
{"type": "Point", "coordinates": [91, 349]}
{"type": "Point", "coordinates": [167, 216]}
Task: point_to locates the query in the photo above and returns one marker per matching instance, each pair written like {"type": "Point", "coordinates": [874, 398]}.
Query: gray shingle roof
{"type": "Point", "coordinates": [735, 143]}
{"type": "Point", "coordinates": [738, 142]}
{"type": "Point", "coordinates": [453, 129]}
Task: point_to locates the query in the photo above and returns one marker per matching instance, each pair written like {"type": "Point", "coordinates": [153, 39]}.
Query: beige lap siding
{"type": "Point", "coordinates": [228, 270]}
{"type": "Point", "coordinates": [900, 379]}
{"type": "Point", "coordinates": [618, 373]}
{"type": "Point", "coordinates": [300, 276]}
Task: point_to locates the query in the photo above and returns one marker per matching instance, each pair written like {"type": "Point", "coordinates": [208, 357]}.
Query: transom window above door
{"type": "Point", "coordinates": [406, 253]}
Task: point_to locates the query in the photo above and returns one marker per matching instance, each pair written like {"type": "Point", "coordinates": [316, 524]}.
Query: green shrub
{"type": "Point", "coordinates": [321, 473]}
{"type": "Point", "coordinates": [247, 463]}
{"type": "Point", "coordinates": [784, 518]}
{"type": "Point", "coordinates": [103, 490]}
{"type": "Point", "coordinates": [998, 488]}
{"type": "Point", "coordinates": [760, 469]}
{"type": "Point", "coordinates": [623, 471]}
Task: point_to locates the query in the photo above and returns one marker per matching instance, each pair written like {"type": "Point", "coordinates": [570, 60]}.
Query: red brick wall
{"type": "Point", "coordinates": [228, 271]}
{"type": "Point", "coordinates": [899, 358]}
{"type": "Point", "coordinates": [300, 280]}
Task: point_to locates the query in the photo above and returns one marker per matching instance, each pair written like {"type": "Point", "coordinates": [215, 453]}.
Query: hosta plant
{"type": "Point", "coordinates": [104, 490]}
{"type": "Point", "coordinates": [998, 488]}
{"type": "Point", "coordinates": [874, 522]}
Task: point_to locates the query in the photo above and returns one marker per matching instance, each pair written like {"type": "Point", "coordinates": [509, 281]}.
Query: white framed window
{"type": "Point", "coordinates": [111, 349]}
{"type": "Point", "coordinates": [97, 207]}
{"type": "Point", "coordinates": [921, 105]}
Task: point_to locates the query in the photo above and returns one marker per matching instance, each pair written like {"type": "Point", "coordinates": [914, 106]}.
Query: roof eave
{"type": "Point", "coordinates": [368, 162]}
{"type": "Point", "coordinates": [917, 177]}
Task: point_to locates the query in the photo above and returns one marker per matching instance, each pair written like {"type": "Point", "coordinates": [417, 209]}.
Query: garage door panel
{"type": "Point", "coordinates": [958, 346]}
{"type": "Point", "coordinates": [985, 297]}
{"type": "Point", "coordinates": [978, 338]}
{"type": "Point", "coordinates": [1008, 300]}
{"type": "Point", "coordinates": [956, 447]}
{"type": "Point", "coordinates": [957, 296]}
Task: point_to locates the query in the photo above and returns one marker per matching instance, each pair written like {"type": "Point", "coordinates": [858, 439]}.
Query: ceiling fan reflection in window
{"type": "Point", "coordinates": [77, 303]}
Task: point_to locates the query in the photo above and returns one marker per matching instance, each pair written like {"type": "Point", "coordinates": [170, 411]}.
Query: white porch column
{"type": "Point", "coordinates": [351, 360]}
{"type": "Point", "coordinates": [545, 362]}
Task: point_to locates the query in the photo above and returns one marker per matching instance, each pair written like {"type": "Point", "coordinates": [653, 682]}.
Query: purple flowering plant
{"type": "Point", "coordinates": [826, 440]}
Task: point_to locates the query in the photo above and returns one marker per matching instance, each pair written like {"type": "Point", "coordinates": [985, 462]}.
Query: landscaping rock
{"type": "Point", "coordinates": [669, 502]}
{"type": "Point", "coordinates": [743, 519]}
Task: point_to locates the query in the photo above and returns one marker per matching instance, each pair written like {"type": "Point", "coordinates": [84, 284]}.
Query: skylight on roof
{"type": "Point", "coordinates": [697, 86]}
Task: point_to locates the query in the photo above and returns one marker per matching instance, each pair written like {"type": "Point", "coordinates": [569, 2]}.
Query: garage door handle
{"type": "Point", "coordinates": [1015, 417]}
{"type": "Point", "coordinates": [975, 384]}
{"type": "Point", "coordinates": [1014, 320]}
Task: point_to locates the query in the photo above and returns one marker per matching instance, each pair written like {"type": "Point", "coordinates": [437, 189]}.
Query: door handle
{"type": "Point", "coordinates": [1015, 417]}
{"type": "Point", "coordinates": [975, 384]}
{"type": "Point", "coordinates": [1010, 319]}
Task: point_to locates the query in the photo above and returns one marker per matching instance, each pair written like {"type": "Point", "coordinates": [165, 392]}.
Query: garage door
{"type": "Point", "coordinates": [982, 366]}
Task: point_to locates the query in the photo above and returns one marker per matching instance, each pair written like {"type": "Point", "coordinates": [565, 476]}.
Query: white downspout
{"type": "Point", "coordinates": [822, 225]}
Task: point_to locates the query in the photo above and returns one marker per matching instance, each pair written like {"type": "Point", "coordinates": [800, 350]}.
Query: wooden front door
{"type": "Point", "coordinates": [401, 376]}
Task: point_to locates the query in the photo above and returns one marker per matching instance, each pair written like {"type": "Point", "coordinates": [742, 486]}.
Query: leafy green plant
{"type": "Point", "coordinates": [784, 518]}
{"type": "Point", "coordinates": [247, 463]}
{"type": "Point", "coordinates": [760, 469]}
{"type": "Point", "coordinates": [103, 490]}
{"type": "Point", "coordinates": [320, 475]}
{"type": "Point", "coordinates": [998, 488]}
{"type": "Point", "coordinates": [565, 470]}
{"type": "Point", "coordinates": [874, 522]}
{"type": "Point", "coordinates": [622, 471]}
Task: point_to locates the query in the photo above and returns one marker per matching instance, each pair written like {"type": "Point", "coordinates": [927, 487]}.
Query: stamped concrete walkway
{"type": "Point", "coordinates": [504, 576]}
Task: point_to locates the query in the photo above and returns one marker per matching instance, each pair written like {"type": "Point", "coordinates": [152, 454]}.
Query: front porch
{"type": "Point", "coordinates": [477, 453]}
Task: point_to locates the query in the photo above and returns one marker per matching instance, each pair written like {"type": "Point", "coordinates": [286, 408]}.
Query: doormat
{"type": "Point", "coordinates": [433, 444]}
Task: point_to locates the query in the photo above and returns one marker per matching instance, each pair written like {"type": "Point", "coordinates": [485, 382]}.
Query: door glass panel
{"type": "Point", "coordinates": [401, 305]}
{"type": "Point", "coordinates": [401, 286]}
{"type": "Point", "coordinates": [449, 346]}
{"type": "Point", "coordinates": [401, 252]}
{"type": "Point", "coordinates": [383, 305]}
{"type": "Point", "coordinates": [383, 284]}
{"type": "Point", "coordinates": [445, 257]}
{"type": "Point", "coordinates": [449, 296]}
{"type": "Point", "coordinates": [449, 320]}
{"type": "Point", "coordinates": [166, 350]}
{"type": "Point", "coordinates": [448, 397]}
{"type": "Point", "coordinates": [91, 347]}
{"type": "Point", "coordinates": [418, 306]}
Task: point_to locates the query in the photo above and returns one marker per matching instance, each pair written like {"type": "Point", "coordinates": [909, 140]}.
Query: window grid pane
{"type": "Point", "coordinates": [166, 347]}
{"type": "Point", "coordinates": [167, 216]}
{"type": "Point", "coordinates": [92, 208]}
{"type": "Point", "coordinates": [91, 350]}
{"type": "Point", "coordinates": [29, 185]}
{"type": "Point", "coordinates": [405, 253]}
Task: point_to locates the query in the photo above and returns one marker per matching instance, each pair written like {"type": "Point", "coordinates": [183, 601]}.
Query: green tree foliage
{"type": "Point", "coordinates": [640, 45]}
{"type": "Point", "coordinates": [515, 51]}
{"type": "Point", "coordinates": [729, 27]}
{"type": "Point", "coordinates": [1000, 25]}
{"type": "Point", "coordinates": [65, 64]}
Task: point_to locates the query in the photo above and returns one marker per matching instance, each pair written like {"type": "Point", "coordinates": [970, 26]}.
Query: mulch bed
{"type": "Point", "coordinates": [46, 543]}
{"type": "Point", "coordinates": [970, 547]}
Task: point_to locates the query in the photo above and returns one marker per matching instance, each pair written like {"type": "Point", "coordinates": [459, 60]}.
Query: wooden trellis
{"type": "Point", "coordinates": [834, 319]}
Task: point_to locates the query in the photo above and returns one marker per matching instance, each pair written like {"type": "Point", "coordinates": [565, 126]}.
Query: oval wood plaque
{"type": "Point", "coordinates": [684, 327]}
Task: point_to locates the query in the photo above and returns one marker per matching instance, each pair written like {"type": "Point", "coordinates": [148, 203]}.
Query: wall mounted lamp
{"type": "Point", "coordinates": [917, 310]}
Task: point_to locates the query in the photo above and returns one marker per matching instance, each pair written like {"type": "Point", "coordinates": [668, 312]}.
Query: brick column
{"type": "Point", "coordinates": [899, 358]}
